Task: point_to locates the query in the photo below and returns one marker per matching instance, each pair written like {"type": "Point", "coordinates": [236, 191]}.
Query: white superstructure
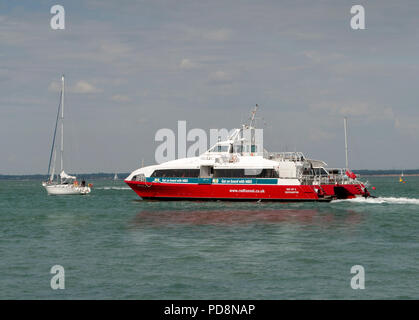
{"type": "Point", "coordinates": [242, 151]}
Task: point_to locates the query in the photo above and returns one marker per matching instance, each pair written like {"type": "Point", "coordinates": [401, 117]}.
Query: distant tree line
{"type": "Point", "coordinates": [109, 176]}
{"type": "Point", "coordinates": [385, 172]}
{"type": "Point", "coordinates": [81, 176]}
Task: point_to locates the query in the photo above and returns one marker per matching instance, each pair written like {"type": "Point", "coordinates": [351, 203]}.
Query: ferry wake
{"type": "Point", "coordinates": [240, 169]}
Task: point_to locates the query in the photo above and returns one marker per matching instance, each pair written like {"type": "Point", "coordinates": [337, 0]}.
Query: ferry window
{"type": "Point", "coordinates": [176, 173]}
{"type": "Point", "coordinates": [219, 149]}
{"type": "Point", "coordinates": [320, 172]}
{"type": "Point", "coordinates": [222, 149]}
{"type": "Point", "coordinates": [238, 148]}
{"type": "Point", "coordinates": [308, 171]}
{"type": "Point", "coordinates": [242, 173]}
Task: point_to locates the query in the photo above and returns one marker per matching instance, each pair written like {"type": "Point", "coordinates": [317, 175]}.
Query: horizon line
{"type": "Point", "coordinates": [95, 173]}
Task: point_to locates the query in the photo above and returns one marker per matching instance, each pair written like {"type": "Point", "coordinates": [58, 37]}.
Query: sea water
{"type": "Point", "coordinates": [112, 245]}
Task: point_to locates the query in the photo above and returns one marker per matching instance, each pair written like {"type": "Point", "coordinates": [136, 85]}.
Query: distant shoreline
{"type": "Point", "coordinates": [122, 175]}
{"type": "Point", "coordinates": [390, 175]}
{"type": "Point", "coordinates": [40, 177]}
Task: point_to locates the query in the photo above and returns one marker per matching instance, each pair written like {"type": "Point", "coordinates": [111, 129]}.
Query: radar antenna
{"type": "Point", "coordinates": [253, 114]}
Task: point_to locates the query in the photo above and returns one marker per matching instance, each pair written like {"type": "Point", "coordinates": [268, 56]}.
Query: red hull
{"type": "Point", "coordinates": [179, 191]}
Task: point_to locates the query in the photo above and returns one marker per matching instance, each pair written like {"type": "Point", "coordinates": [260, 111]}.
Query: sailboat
{"type": "Point", "coordinates": [63, 183]}
{"type": "Point", "coordinates": [115, 177]}
{"type": "Point", "coordinates": [401, 178]}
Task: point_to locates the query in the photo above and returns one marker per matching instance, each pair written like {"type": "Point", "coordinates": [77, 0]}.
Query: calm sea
{"type": "Point", "coordinates": [114, 246]}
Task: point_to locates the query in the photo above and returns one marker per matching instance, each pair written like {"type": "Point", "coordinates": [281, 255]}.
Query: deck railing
{"type": "Point", "coordinates": [336, 176]}
{"type": "Point", "coordinates": [290, 156]}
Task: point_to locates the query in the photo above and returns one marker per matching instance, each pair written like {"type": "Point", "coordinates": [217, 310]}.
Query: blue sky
{"type": "Point", "coordinates": [133, 67]}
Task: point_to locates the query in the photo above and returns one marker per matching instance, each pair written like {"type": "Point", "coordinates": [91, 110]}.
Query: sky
{"type": "Point", "coordinates": [134, 67]}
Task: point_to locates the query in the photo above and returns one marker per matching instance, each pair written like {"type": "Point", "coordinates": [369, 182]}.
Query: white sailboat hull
{"type": "Point", "coordinates": [66, 189]}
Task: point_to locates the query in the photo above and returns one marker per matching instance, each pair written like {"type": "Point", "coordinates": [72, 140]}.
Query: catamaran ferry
{"type": "Point", "coordinates": [240, 169]}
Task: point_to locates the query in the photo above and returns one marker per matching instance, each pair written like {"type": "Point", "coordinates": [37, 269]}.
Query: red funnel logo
{"type": "Point", "coordinates": [350, 174]}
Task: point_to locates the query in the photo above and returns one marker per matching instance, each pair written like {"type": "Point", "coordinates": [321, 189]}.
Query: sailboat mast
{"type": "Point", "coordinates": [53, 153]}
{"type": "Point", "coordinates": [62, 123]}
{"type": "Point", "coordinates": [53, 168]}
{"type": "Point", "coordinates": [345, 120]}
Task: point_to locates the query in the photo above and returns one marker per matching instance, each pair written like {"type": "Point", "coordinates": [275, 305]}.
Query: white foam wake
{"type": "Point", "coordinates": [114, 188]}
{"type": "Point", "coordinates": [380, 200]}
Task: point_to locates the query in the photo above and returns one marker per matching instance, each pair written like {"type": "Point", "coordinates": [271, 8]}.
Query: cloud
{"type": "Point", "coordinates": [321, 57]}
{"type": "Point", "coordinates": [407, 125]}
{"type": "Point", "coordinates": [220, 77]}
{"type": "Point", "coordinates": [187, 64]}
{"type": "Point", "coordinates": [359, 109]}
{"type": "Point", "coordinates": [81, 86]}
{"type": "Point", "coordinates": [206, 36]}
{"type": "Point", "coordinates": [84, 87]}
{"type": "Point", "coordinates": [120, 98]}
{"type": "Point", "coordinates": [218, 35]}
{"type": "Point", "coordinates": [54, 86]}
{"type": "Point", "coordinates": [113, 51]}
{"type": "Point", "coordinates": [306, 35]}
{"type": "Point", "coordinates": [318, 134]}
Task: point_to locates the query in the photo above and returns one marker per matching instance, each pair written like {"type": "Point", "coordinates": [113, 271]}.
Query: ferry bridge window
{"type": "Point", "coordinates": [320, 172]}
{"type": "Point", "coordinates": [243, 173]}
{"type": "Point", "coordinates": [308, 172]}
{"type": "Point", "coordinates": [220, 149]}
{"type": "Point", "coordinates": [238, 148]}
{"type": "Point", "coordinates": [176, 173]}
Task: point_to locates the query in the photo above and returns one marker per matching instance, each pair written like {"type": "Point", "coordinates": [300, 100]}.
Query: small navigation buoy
{"type": "Point", "coordinates": [373, 188]}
